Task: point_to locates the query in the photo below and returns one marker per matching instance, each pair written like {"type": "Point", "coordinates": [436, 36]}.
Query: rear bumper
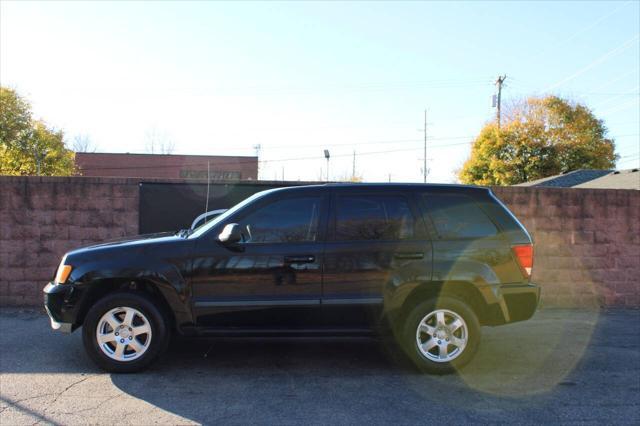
{"type": "Point", "coordinates": [509, 303]}
{"type": "Point", "coordinates": [521, 301]}
{"type": "Point", "coordinates": [60, 306]}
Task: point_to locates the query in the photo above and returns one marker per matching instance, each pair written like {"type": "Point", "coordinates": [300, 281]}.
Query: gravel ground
{"type": "Point", "coordinates": [563, 366]}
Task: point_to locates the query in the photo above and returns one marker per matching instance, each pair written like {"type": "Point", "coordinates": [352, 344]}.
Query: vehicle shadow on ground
{"type": "Point", "coordinates": [522, 372]}
{"type": "Point", "coordinates": [296, 380]}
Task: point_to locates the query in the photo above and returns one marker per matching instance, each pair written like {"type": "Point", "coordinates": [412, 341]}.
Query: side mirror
{"type": "Point", "coordinates": [230, 234]}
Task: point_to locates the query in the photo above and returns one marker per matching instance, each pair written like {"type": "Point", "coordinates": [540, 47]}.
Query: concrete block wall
{"type": "Point", "coordinates": [41, 218]}
{"type": "Point", "coordinates": [587, 241]}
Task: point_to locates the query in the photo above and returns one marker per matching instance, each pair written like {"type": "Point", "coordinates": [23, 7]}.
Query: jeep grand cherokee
{"type": "Point", "coordinates": [427, 264]}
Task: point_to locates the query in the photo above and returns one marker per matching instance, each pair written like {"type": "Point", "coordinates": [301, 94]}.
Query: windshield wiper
{"type": "Point", "coordinates": [184, 233]}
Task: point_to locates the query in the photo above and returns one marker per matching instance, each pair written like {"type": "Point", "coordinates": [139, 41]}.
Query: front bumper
{"type": "Point", "coordinates": [59, 302]}
{"type": "Point", "coordinates": [63, 327]}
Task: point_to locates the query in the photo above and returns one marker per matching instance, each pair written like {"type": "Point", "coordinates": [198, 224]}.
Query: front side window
{"type": "Point", "coordinates": [375, 217]}
{"type": "Point", "coordinates": [282, 221]}
{"type": "Point", "coordinates": [458, 216]}
{"type": "Point", "coordinates": [204, 228]}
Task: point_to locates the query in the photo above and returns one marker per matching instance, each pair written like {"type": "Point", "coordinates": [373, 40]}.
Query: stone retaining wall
{"type": "Point", "coordinates": [587, 241]}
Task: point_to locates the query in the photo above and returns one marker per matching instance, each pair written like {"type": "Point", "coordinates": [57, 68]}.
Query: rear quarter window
{"type": "Point", "coordinates": [458, 216]}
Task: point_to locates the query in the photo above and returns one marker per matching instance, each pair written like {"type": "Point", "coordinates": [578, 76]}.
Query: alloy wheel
{"type": "Point", "coordinates": [123, 334]}
{"type": "Point", "coordinates": [442, 335]}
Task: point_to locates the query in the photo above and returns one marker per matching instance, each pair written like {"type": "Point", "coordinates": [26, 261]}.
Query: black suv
{"type": "Point", "coordinates": [428, 264]}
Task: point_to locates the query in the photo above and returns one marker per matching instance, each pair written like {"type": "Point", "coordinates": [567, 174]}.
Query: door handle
{"type": "Point", "coordinates": [412, 255]}
{"type": "Point", "coordinates": [300, 259]}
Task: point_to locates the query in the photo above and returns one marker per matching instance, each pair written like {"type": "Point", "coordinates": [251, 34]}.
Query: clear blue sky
{"type": "Point", "coordinates": [218, 78]}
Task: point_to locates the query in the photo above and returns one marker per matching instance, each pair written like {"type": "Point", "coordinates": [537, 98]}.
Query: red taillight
{"type": "Point", "coordinates": [524, 254]}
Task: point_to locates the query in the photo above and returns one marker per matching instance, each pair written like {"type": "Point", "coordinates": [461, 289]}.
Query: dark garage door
{"type": "Point", "coordinates": [174, 206]}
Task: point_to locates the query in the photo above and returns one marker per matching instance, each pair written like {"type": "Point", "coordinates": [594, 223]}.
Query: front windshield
{"type": "Point", "coordinates": [205, 227]}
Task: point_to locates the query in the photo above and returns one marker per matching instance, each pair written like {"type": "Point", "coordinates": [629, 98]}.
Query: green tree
{"type": "Point", "coordinates": [539, 137]}
{"type": "Point", "coordinates": [28, 146]}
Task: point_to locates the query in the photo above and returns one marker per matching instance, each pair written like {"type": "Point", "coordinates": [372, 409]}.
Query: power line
{"type": "Point", "coordinates": [381, 142]}
{"type": "Point", "coordinates": [613, 98]}
{"type": "Point", "coordinates": [626, 135]}
{"type": "Point", "coordinates": [258, 90]}
{"type": "Point", "coordinates": [616, 79]}
{"type": "Point", "coordinates": [315, 157]}
{"type": "Point", "coordinates": [529, 87]}
{"type": "Point", "coordinates": [628, 160]}
{"type": "Point", "coordinates": [579, 32]}
{"type": "Point", "coordinates": [630, 156]}
{"type": "Point", "coordinates": [598, 61]}
{"type": "Point", "coordinates": [345, 155]}
{"type": "Point", "coordinates": [609, 94]}
{"type": "Point", "coordinates": [621, 107]}
{"type": "Point", "coordinates": [377, 124]}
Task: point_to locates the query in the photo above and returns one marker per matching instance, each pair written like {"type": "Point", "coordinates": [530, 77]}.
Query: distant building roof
{"type": "Point", "coordinates": [623, 179]}
{"type": "Point", "coordinates": [568, 180]}
{"type": "Point", "coordinates": [604, 179]}
{"type": "Point", "coordinates": [217, 167]}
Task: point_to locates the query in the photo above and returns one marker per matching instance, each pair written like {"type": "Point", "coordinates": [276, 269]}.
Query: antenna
{"type": "Point", "coordinates": [206, 205]}
{"type": "Point", "coordinates": [425, 171]}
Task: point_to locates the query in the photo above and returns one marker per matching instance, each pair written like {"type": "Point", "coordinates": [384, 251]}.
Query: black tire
{"type": "Point", "coordinates": [160, 331]}
{"type": "Point", "coordinates": [409, 340]}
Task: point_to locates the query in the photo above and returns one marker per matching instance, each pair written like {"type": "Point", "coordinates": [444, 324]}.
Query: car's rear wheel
{"type": "Point", "coordinates": [441, 335]}
{"type": "Point", "coordinates": [125, 332]}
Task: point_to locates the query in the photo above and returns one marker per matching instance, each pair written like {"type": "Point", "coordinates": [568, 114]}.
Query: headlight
{"type": "Point", "coordinates": [63, 272]}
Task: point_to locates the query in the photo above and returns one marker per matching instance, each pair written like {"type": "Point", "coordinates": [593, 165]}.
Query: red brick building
{"type": "Point", "coordinates": [167, 166]}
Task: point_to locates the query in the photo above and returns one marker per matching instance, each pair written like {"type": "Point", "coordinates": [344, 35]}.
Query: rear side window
{"type": "Point", "coordinates": [373, 217]}
{"type": "Point", "coordinates": [458, 216]}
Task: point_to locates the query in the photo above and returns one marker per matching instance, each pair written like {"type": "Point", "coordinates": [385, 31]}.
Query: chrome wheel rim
{"type": "Point", "coordinates": [442, 335]}
{"type": "Point", "coordinates": [123, 334]}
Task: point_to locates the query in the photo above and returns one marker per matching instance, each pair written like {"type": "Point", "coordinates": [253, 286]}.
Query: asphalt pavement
{"type": "Point", "coordinates": [563, 366]}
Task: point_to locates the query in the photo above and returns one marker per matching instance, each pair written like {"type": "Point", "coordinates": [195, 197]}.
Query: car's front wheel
{"type": "Point", "coordinates": [441, 335]}
{"type": "Point", "coordinates": [124, 332]}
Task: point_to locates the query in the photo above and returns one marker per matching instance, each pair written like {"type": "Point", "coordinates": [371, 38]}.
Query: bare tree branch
{"type": "Point", "coordinates": [158, 142]}
{"type": "Point", "coordinates": [82, 143]}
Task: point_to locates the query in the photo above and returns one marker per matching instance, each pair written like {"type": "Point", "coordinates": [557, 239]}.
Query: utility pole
{"type": "Point", "coordinates": [353, 169]}
{"type": "Point", "coordinates": [499, 83]}
{"type": "Point", "coordinates": [258, 148]}
{"type": "Point", "coordinates": [327, 156]}
{"type": "Point", "coordinates": [424, 169]}
{"type": "Point", "coordinates": [39, 158]}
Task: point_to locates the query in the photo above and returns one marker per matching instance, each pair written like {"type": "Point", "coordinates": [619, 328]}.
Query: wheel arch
{"type": "Point", "coordinates": [464, 291]}
{"type": "Point", "coordinates": [98, 289]}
